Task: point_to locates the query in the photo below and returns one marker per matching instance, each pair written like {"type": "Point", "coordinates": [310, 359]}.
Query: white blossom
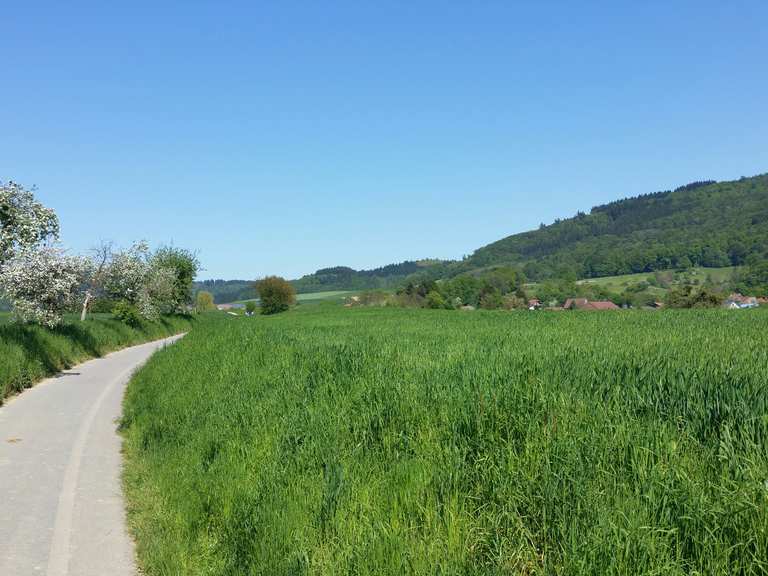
{"type": "Point", "coordinates": [24, 222]}
{"type": "Point", "coordinates": [127, 273]}
{"type": "Point", "coordinates": [43, 283]}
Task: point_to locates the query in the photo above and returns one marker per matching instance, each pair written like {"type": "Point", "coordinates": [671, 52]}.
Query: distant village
{"type": "Point", "coordinates": [734, 301]}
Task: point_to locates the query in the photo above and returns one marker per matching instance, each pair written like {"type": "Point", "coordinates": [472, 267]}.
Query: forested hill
{"type": "Point", "coordinates": [710, 224]}
{"type": "Point", "coordinates": [336, 278]}
{"type": "Point", "coordinates": [704, 223]}
{"type": "Point", "coordinates": [344, 278]}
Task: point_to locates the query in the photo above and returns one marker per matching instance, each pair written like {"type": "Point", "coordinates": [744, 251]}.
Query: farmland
{"type": "Point", "coordinates": [389, 441]}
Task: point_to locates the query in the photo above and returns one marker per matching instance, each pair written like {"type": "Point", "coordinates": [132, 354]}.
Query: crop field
{"type": "Point", "coordinates": [330, 441]}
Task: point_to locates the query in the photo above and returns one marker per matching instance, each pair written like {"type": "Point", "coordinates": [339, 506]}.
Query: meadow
{"type": "Point", "coordinates": [29, 353]}
{"type": "Point", "coordinates": [621, 283]}
{"type": "Point", "coordinates": [331, 441]}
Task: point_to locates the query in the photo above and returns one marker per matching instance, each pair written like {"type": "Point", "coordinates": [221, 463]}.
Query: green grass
{"type": "Point", "coordinates": [29, 353]}
{"type": "Point", "coordinates": [328, 295]}
{"type": "Point", "coordinates": [332, 441]}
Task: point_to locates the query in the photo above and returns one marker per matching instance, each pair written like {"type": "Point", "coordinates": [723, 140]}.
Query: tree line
{"type": "Point", "coordinates": [42, 281]}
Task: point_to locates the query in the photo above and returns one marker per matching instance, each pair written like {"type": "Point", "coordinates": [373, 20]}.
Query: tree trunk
{"type": "Point", "coordinates": [86, 302]}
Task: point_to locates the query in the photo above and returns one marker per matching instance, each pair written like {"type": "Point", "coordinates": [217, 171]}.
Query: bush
{"type": "Point", "coordinates": [127, 313]}
{"type": "Point", "coordinates": [514, 302]}
{"type": "Point", "coordinates": [687, 297]}
{"type": "Point", "coordinates": [276, 294]}
{"type": "Point", "coordinates": [204, 301]}
{"type": "Point", "coordinates": [250, 307]}
{"type": "Point", "coordinates": [491, 299]}
{"type": "Point", "coordinates": [435, 300]}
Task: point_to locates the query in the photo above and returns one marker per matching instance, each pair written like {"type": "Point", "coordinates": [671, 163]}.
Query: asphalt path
{"type": "Point", "coordinates": [61, 505]}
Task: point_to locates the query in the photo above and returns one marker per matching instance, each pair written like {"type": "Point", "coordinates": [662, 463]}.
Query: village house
{"type": "Point", "coordinates": [737, 301]}
{"type": "Point", "coordinates": [584, 304]}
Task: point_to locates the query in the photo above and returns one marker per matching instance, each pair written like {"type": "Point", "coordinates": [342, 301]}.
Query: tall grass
{"type": "Point", "coordinates": [391, 442]}
{"type": "Point", "coordinates": [29, 353]}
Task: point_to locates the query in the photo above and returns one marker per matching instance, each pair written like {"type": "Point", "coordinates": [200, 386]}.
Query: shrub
{"type": "Point", "coordinates": [687, 297]}
{"type": "Point", "coordinates": [491, 299]}
{"type": "Point", "coordinates": [514, 302]}
{"type": "Point", "coordinates": [127, 313]}
{"type": "Point", "coordinates": [204, 301]}
{"type": "Point", "coordinates": [436, 300]}
{"type": "Point", "coordinates": [276, 294]}
{"type": "Point", "coordinates": [250, 307]}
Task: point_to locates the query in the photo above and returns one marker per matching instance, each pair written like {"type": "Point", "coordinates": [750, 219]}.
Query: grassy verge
{"type": "Point", "coordinates": [333, 441]}
{"type": "Point", "coordinates": [30, 353]}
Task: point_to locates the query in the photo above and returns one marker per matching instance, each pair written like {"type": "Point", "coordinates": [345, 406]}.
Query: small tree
{"type": "Point", "coordinates": [204, 301]}
{"type": "Point", "coordinates": [250, 307]}
{"type": "Point", "coordinates": [43, 283]}
{"type": "Point", "coordinates": [276, 294]}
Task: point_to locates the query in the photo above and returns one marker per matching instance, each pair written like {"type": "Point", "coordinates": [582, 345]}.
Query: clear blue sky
{"type": "Point", "coordinates": [279, 137]}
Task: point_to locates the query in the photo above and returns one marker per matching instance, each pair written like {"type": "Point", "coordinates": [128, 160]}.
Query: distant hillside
{"type": "Point", "coordinates": [327, 279]}
{"type": "Point", "coordinates": [709, 224]}
{"type": "Point", "coordinates": [706, 224]}
{"type": "Point", "coordinates": [224, 291]}
{"type": "Point", "coordinates": [344, 278]}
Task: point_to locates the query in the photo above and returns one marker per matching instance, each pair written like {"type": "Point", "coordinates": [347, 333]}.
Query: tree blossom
{"type": "Point", "coordinates": [127, 273]}
{"type": "Point", "coordinates": [43, 283]}
{"type": "Point", "coordinates": [24, 222]}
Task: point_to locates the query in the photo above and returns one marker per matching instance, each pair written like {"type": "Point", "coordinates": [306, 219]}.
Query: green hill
{"type": "Point", "coordinates": [709, 224]}
{"type": "Point", "coordinates": [703, 224]}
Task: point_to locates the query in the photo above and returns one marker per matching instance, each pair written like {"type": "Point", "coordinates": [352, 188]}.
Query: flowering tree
{"type": "Point", "coordinates": [126, 273]}
{"type": "Point", "coordinates": [24, 222]}
{"type": "Point", "coordinates": [142, 280]}
{"type": "Point", "coordinates": [185, 266]}
{"type": "Point", "coordinates": [43, 283]}
{"type": "Point", "coordinates": [157, 294]}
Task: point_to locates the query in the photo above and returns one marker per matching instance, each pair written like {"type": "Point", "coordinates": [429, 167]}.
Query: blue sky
{"type": "Point", "coordinates": [281, 137]}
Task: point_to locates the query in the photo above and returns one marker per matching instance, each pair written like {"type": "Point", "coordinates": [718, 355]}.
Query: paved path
{"type": "Point", "coordinates": [61, 508]}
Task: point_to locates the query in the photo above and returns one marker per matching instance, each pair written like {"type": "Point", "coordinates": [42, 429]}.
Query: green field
{"type": "Point", "coordinates": [331, 441]}
{"type": "Point", "coordinates": [329, 295]}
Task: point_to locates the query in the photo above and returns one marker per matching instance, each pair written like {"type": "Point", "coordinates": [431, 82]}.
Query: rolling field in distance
{"type": "Point", "coordinates": [385, 441]}
{"type": "Point", "coordinates": [620, 283]}
{"type": "Point", "coordinates": [311, 297]}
